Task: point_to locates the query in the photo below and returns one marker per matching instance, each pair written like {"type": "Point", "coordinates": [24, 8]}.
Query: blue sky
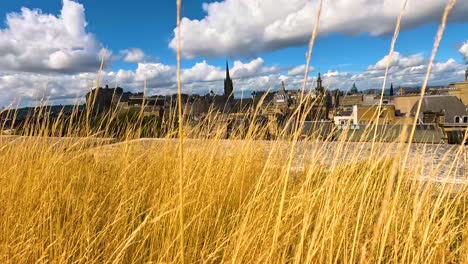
{"type": "Point", "coordinates": [52, 47]}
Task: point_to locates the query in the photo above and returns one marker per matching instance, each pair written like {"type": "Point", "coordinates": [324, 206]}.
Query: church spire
{"type": "Point", "coordinates": [391, 90]}
{"type": "Point", "coordinates": [227, 71]}
{"type": "Point", "coordinates": [228, 86]}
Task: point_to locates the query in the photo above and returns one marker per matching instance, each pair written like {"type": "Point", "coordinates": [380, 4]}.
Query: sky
{"type": "Point", "coordinates": [52, 49]}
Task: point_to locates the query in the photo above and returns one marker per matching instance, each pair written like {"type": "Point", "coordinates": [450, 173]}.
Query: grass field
{"type": "Point", "coordinates": [243, 201]}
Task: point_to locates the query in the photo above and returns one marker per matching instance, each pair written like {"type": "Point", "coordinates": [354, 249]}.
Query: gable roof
{"type": "Point", "coordinates": [450, 105]}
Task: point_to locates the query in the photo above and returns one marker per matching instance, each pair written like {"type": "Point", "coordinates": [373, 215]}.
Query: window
{"type": "Point", "coordinates": [465, 119]}
{"type": "Point", "coordinates": [457, 119]}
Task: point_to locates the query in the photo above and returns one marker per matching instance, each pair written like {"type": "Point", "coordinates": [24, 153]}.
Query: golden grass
{"type": "Point", "coordinates": [120, 203]}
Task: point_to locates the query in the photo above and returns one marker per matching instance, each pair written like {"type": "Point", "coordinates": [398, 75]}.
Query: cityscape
{"type": "Point", "coordinates": [443, 117]}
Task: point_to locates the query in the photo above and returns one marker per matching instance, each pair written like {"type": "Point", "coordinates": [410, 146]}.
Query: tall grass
{"type": "Point", "coordinates": [69, 202]}
{"type": "Point", "coordinates": [68, 195]}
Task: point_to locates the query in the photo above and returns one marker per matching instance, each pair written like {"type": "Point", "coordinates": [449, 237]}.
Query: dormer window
{"type": "Point", "coordinates": [457, 119]}
{"type": "Point", "coordinates": [465, 119]}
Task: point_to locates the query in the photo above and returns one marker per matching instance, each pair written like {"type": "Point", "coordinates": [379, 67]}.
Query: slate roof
{"type": "Point", "coordinates": [449, 104]}
{"type": "Point", "coordinates": [351, 100]}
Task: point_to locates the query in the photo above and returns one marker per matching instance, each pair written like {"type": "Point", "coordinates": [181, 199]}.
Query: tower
{"type": "Point", "coordinates": [391, 90]}
{"type": "Point", "coordinates": [319, 88]}
{"type": "Point", "coordinates": [466, 75]}
{"type": "Point", "coordinates": [228, 86]}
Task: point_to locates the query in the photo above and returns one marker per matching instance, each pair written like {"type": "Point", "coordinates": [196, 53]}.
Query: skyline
{"type": "Point", "coordinates": [264, 47]}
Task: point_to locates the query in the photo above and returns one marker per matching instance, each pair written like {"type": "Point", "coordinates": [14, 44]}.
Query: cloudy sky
{"type": "Point", "coordinates": [52, 48]}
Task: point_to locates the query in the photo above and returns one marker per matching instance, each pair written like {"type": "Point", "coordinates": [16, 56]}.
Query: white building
{"type": "Point", "coordinates": [347, 118]}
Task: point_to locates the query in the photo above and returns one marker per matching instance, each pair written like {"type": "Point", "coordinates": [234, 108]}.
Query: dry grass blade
{"type": "Point", "coordinates": [296, 134]}
{"type": "Point", "coordinates": [181, 136]}
{"type": "Point", "coordinates": [440, 33]}
{"type": "Point", "coordinates": [387, 67]}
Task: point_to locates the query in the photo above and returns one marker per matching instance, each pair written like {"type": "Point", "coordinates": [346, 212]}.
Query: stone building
{"type": "Point", "coordinates": [320, 102]}
{"type": "Point", "coordinates": [460, 89]}
{"type": "Point", "coordinates": [367, 114]}
{"type": "Point", "coordinates": [445, 112]}
{"type": "Point", "coordinates": [442, 109]}
{"type": "Point", "coordinates": [103, 99]}
{"type": "Point", "coordinates": [359, 116]}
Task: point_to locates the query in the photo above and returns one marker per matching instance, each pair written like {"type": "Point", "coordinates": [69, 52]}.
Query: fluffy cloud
{"type": "Point", "coordinates": [133, 55]}
{"type": "Point", "coordinates": [464, 50]}
{"type": "Point", "coordinates": [36, 42]}
{"type": "Point", "coordinates": [398, 60]}
{"type": "Point", "coordinates": [202, 72]}
{"type": "Point", "coordinates": [241, 27]}
{"type": "Point", "coordinates": [299, 70]}
{"type": "Point", "coordinates": [406, 67]}
{"type": "Point", "coordinates": [160, 78]}
{"type": "Point", "coordinates": [404, 71]}
{"type": "Point", "coordinates": [158, 74]}
{"type": "Point", "coordinates": [253, 68]}
{"type": "Point", "coordinates": [29, 88]}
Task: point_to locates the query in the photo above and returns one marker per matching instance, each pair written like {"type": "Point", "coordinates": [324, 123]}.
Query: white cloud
{"type": "Point", "coordinates": [154, 71]}
{"type": "Point", "coordinates": [201, 72]}
{"type": "Point", "coordinates": [29, 88]}
{"type": "Point", "coordinates": [398, 61]}
{"type": "Point", "coordinates": [253, 68]}
{"type": "Point", "coordinates": [464, 50]}
{"type": "Point", "coordinates": [299, 70]}
{"type": "Point", "coordinates": [133, 55]}
{"type": "Point", "coordinates": [246, 27]}
{"type": "Point", "coordinates": [405, 71]}
{"type": "Point", "coordinates": [201, 77]}
{"type": "Point", "coordinates": [40, 43]}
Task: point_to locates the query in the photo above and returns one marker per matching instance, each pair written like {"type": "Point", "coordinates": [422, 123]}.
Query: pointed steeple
{"type": "Point", "coordinates": [227, 71]}
{"type": "Point", "coordinates": [228, 86]}
{"type": "Point", "coordinates": [392, 92]}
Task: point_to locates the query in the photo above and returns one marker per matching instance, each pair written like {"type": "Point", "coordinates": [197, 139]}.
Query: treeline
{"type": "Point", "coordinates": [72, 121]}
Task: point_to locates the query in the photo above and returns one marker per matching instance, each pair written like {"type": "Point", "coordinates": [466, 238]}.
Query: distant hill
{"type": "Point", "coordinates": [54, 110]}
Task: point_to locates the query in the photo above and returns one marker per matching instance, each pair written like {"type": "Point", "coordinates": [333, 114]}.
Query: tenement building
{"type": "Point", "coordinates": [460, 89]}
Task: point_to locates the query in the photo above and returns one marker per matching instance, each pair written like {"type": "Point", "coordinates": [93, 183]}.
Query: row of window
{"type": "Point", "coordinates": [346, 122]}
{"type": "Point", "coordinates": [459, 119]}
